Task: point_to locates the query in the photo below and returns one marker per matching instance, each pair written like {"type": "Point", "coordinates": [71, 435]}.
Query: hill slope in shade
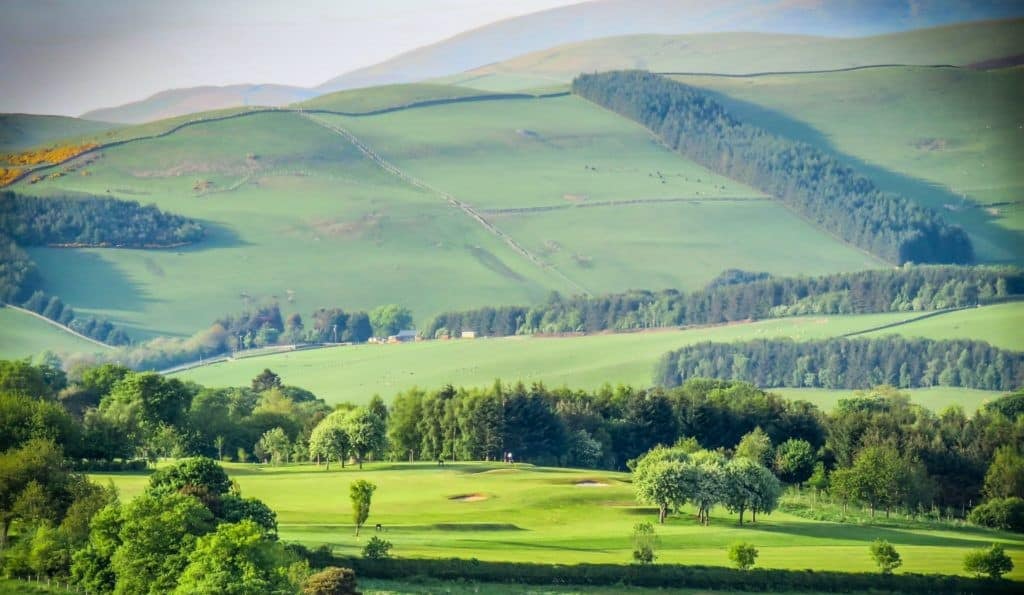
{"type": "Point", "coordinates": [742, 53]}
{"type": "Point", "coordinates": [950, 139]}
{"type": "Point", "coordinates": [591, 20]}
{"type": "Point", "coordinates": [22, 335]}
{"type": "Point", "coordinates": [176, 102]}
{"type": "Point", "coordinates": [22, 131]}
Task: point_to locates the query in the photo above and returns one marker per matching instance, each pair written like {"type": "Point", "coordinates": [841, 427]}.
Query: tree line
{"type": "Point", "coordinates": [77, 221]}
{"type": "Point", "coordinates": [111, 413]}
{"type": "Point", "coordinates": [807, 179]}
{"type": "Point", "coordinates": [848, 363]}
{"type": "Point", "coordinates": [740, 295]}
{"type": "Point", "coordinates": [92, 221]}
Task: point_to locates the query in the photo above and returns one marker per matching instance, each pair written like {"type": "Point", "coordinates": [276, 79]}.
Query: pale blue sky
{"type": "Point", "coordinates": [71, 56]}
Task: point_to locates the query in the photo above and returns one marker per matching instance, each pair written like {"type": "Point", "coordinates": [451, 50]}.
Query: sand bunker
{"type": "Point", "coordinates": [468, 497]}
{"type": "Point", "coordinates": [589, 483]}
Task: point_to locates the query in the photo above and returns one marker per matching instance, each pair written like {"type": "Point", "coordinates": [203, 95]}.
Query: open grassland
{"type": "Point", "coordinates": [742, 53]}
{"type": "Point", "coordinates": [999, 324]}
{"type": "Point", "coordinates": [552, 152]}
{"type": "Point", "coordinates": [951, 139]}
{"type": "Point", "coordinates": [297, 214]}
{"type": "Point", "coordinates": [22, 335]}
{"type": "Point", "coordinates": [386, 96]}
{"type": "Point", "coordinates": [356, 373]}
{"type": "Point", "coordinates": [533, 514]}
{"type": "Point", "coordinates": [681, 244]}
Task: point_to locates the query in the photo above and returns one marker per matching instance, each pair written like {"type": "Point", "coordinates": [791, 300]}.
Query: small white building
{"type": "Point", "coordinates": [467, 335]}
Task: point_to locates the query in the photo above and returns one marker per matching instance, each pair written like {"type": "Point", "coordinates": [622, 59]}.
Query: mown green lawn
{"type": "Point", "coordinates": [530, 514]}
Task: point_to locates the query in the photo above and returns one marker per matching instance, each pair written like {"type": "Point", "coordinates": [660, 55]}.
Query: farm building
{"type": "Point", "coordinates": [403, 337]}
{"type": "Point", "coordinates": [468, 335]}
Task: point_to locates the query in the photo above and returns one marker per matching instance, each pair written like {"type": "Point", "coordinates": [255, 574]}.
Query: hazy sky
{"type": "Point", "coordinates": [71, 56]}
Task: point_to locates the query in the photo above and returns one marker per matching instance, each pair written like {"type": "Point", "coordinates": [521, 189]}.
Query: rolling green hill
{"type": "Point", "coordinates": [741, 53]}
{"type": "Point", "coordinates": [298, 214]}
{"type": "Point", "coordinates": [356, 373]}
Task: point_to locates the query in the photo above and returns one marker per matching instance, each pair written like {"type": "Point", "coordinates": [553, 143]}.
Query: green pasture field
{"type": "Point", "coordinates": [679, 244]}
{"type": "Point", "coordinates": [356, 373]}
{"type": "Point", "coordinates": [999, 324]}
{"type": "Point", "coordinates": [22, 335]}
{"type": "Point", "coordinates": [550, 152]}
{"type": "Point", "coordinates": [374, 98]}
{"type": "Point", "coordinates": [532, 514]}
{"type": "Point", "coordinates": [948, 138]}
{"type": "Point", "coordinates": [742, 53]}
{"type": "Point", "coordinates": [297, 215]}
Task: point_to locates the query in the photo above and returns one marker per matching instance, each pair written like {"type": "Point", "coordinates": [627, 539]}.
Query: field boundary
{"type": "Point", "coordinates": [623, 203]}
{"type": "Point", "coordinates": [285, 110]}
{"type": "Point", "coordinates": [822, 71]}
{"type": "Point", "coordinates": [671, 576]}
{"type": "Point", "coordinates": [466, 208]}
{"type": "Point", "coordinates": [62, 327]}
{"type": "Point", "coordinates": [907, 321]}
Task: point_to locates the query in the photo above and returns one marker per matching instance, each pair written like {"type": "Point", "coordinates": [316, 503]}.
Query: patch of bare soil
{"type": "Point", "coordinates": [468, 498]}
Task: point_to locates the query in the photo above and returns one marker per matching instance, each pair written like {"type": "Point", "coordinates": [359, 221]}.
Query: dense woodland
{"type": "Point", "coordinates": [807, 179]}
{"type": "Point", "coordinates": [739, 295]}
{"type": "Point", "coordinates": [848, 363]}
{"type": "Point", "coordinates": [92, 221]}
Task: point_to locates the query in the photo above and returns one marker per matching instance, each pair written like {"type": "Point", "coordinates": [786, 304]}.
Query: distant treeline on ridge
{"type": "Point", "coordinates": [805, 178]}
{"type": "Point", "coordinates": [737, 295]}
{"type": "Point", "coordinates": [847, 363]}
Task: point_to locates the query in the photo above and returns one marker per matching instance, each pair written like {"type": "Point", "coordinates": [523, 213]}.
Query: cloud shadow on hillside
{"type": "Point", "coordinates": [979, 224]}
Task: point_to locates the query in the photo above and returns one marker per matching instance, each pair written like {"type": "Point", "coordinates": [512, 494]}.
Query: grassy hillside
{"type": "Point", "coordinates": [22, 335]}
{"type": "Point", "coordinates": [356, 373]}
{"type": "Point", "coordinates": [740, 53]}
{"type": "Point", "coordinates": [599, 19]}
{"type": "Point", "coordinates": [935, 398]}
{"type": "Point", "coordinates": [385, 96]}
{"type": "Point", "coordinates": [948, 138]}
{"type": "Point", "coordinates": [297, 214]}
{"type": "Point", "coordinates": [523, 512]}
{"type": "Point", "coordinates": [21, 131]}
{"type": "Point", "coordinates": [178, 102]}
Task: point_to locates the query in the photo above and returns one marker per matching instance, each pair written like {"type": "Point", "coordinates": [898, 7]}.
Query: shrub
{"type": "Point", "coordinates": [644, 543]}
{"type": "Point", "coordinates": [886, 556]}
{"type": "Point", "coordinates": [331, 581]}
{"type": "Point", "coordinates": [743, 555]}
{"type": "Point", "coordinates": [377, 549]}
{"type": "Point", "coordinates": [1000, 513]}
{"type": "Point", "coordinates": [991, 562]}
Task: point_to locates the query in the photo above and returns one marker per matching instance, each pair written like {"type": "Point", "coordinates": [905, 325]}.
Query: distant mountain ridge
{"type": "Point", "coordinates": [176, 102]}
{"type": "Point", "coordinates": [510, 38]}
